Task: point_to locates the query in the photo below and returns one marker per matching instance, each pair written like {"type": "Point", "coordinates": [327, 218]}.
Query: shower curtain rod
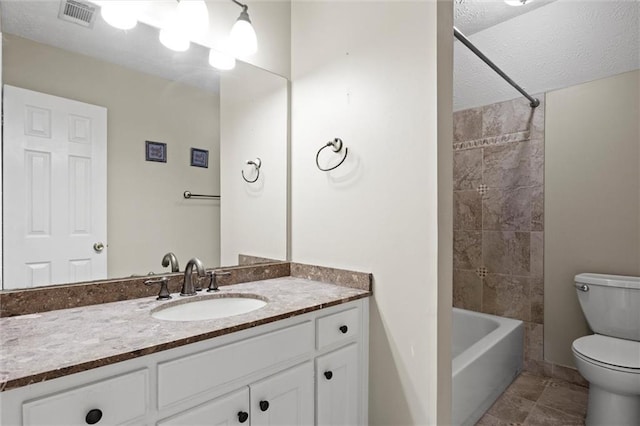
{"type": "Point", "coordinates": [464, 40]}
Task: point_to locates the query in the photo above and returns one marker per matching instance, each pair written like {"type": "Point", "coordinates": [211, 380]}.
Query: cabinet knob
{"type": "Point", "coordinates": [243, 416]}
{"type": "Point", "coordinates": [328, 375]}
{"type": "Point", "coordinates": [344, 329]}
{"type": "Point", "coordinates": [264, 405]}
{"type": "Point", "coordinates": [93, 416]}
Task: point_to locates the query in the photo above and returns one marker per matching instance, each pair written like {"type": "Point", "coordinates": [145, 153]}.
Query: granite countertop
{"type": "Point", "coordinates": [44, 346]}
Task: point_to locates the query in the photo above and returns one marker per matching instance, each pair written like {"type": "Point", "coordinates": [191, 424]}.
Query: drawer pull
{"type": "Point", "coordinates": [243, 416]}
{"type": "Point", "coordinates": [328, 375]}
{"type": "Point", "coordinates": [344, 329]}
{"type": "Point", "coordinates": [264, 405]}
{"type": "Point", "coordinates": [93, 416]}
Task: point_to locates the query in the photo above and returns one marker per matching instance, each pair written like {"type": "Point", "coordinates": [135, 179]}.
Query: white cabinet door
{"type": "Point", "coordinates": [284, 399]}
{"type": "Point", "coordinates": [337, 387]}
{"type": "Point", "coordinates": [55, 189]}
{"type": "Point", "coordinates": [231, 409]}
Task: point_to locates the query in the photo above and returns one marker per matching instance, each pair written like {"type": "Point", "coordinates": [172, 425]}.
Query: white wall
{"type": "Point", "coordinates": [592, 197]}
{"type": "Point", "coordinates": [254, 123]}
{"type": "Point", "coordinates": [366, 72]}
{"type": "Point", "coordinates": [563, 43]}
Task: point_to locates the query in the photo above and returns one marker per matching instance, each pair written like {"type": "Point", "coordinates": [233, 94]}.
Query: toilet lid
{"type": "Point", "coordinates": [609, 350]}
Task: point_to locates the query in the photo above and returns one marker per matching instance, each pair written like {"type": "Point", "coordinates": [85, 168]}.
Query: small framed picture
{"type": "Point", "coordinates": [156, 151]}
{"type": "Point", "coordinates": [199, 157]}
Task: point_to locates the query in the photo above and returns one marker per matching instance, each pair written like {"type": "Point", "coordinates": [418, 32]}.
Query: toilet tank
{"type": "Point", "coordinates": [611, 304]}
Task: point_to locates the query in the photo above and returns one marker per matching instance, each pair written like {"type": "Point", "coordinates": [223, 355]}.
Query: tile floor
{"type": "Point", "coordinates": [538, 401]}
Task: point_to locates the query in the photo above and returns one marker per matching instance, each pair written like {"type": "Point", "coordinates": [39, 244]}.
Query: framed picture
{"type": "Point", "coordinates": [199, 157]}
{"type": "Point", "coordinates": [156, 151]}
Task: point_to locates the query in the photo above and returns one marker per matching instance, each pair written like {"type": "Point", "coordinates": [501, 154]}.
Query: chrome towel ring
{"type": "Point", "coordinates": [336, 145]}
{"type": "Point", "coordinates": [256, 164]}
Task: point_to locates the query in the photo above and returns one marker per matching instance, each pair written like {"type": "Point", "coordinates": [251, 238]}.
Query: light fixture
{"type": "Point", "coordinates": [221, 60]}
{"type": "Point", "coordinates": [172, 35]}
{"type": "Point", "coordinates": [121, 14]}
{"type": "Point", "coordinates": [192, 18]}
{"type": "Point", "coordinates": [243, 38]}
{"type": "Point", "coordinates": [517, 2]}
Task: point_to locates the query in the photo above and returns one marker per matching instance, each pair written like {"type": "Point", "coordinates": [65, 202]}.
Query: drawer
{"type": "Point", "coordinates": [337, 328]}
{"type": "Point", "coordinates": [188, 376]}
{"type": "Point", "coordinates": [115, 401]}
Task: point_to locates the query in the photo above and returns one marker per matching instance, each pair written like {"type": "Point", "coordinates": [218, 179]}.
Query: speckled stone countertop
{"type": "Point", "coordinates": [44, 346]}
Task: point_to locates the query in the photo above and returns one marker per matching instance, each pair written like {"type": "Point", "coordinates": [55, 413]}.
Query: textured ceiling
{"type": "Point", "coordinates": [471, 16]}
{"type": "Point", "coordinates": [564, 43]}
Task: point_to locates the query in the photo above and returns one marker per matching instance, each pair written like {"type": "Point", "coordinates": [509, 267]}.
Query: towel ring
{"type": "Point", "coordinates": [336, 145]}
{"type": "Point", "coordinates": [255, 163]}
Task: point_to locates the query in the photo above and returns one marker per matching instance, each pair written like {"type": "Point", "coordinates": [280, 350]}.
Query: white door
{"type": "Point", "coordinates": [231, 409]}
{"type": "Point", "coordinates": [337, 387]}
{"type": "Point", "coordinates": [55, 189]}
{"type": "Point", "coordinates": [285, 399]}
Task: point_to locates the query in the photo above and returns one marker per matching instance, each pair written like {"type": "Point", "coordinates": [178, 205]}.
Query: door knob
{"type": "Point", "coordinates": [98, 247]}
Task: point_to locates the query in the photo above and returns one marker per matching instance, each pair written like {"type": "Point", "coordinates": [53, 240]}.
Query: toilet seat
{"type": "Point", "coordinates": [609, 352]}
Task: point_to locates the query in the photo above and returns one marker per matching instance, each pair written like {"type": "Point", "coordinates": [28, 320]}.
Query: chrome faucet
{"type": "Point", "coordinates": [171, 259]}
{"type": "Point", "coordinates": [188, 288]}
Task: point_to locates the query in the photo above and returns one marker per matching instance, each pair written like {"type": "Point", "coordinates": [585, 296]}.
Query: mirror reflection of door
{"type": "Point", "coordinates": [55, 189]}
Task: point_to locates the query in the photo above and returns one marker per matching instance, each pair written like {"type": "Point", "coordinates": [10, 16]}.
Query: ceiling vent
{"type": "Point", "coordinates": [80, 13]}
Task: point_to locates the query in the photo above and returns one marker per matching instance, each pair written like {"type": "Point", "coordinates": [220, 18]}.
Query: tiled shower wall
{"type": "Point", "coordinates": [498, 216]}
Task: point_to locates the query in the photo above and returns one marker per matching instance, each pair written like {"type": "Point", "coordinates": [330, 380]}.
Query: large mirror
{"type": "Point", "coordinates": [106, 129]}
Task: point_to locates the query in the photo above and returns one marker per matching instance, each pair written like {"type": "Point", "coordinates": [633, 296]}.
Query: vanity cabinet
{"type": "Point", "coordinates": [285, 398]}
{"type": "Point", "coordinates": [337, 387]}
{"type": "Point", "coordinates": [303, 370]}
{"type": "Point", "coordinates": [226, 410]}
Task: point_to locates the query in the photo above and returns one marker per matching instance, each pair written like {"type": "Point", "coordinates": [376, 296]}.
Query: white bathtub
{"type": "Point", "coordinates": [487, 356]}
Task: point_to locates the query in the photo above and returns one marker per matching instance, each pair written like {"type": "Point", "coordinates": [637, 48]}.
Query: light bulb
{"type": "Point", "coordinates": [517, 2]}
{"type": "Point", "coordinates": [121, 14]}
{"type": "Point", "coordinates": [243, 38]}
{"type": "Point", "coordinates": [221, 60]}
{"type": "Point", "coordinates": [192, 18]}
{"type": "Point", "coordinates": [171, 34]}
{"type": "Point", "coordinates": [174, 40]}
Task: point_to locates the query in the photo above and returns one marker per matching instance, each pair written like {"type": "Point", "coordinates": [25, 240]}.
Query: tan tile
{"type": "Point", "coordinates": [528, 386]}
{"type": "Point", "coordinates": [568, 374]}
{"type": "Point", "coordinates": [506, 252]}
{"type": "Point", "coordinates": [489, 420]}
{"type": "Point", "coordinates": [520, 250]}
{"type": "Point", "coordinates": [507, 166]}
{"type": "Point", "coordinates": [566, 397]}
{"type": "Point", "coordinates": [508, 117]}
{"type": "Point", "coordinates": [507, 209]}
{"type": "Point", "coordinates": [467, 249]}
{"type": "Point", "coordinates": [467, 169]}
{"type": "Point", "coordinates": [533, 341]}
{"type": "Point", "coordinates": [511, 408]}
{"type": "Point", "coordinates": [537, 300]}
{"type": "Point", "coordinates": [538, 120]}
{"type": "Point", "coordinates": [467, 290]}
{"type": "Point", "coordinates": [547, 416]}
{"type": "Point", "coordinates": [536, 158]}
{"type": "Point", "coordinates": [467, 210]}
{"type": "Point", "coordinates": [537, 254]}
{"type": "Point", "coordinates": [538, 367]}
{"type": "Point", "coordinates": [506, 296]}
{"type": "Point", "coordinates": [467, 124]}
{"type": "Point", "coordinates": [537, 208]}
{"type": "Point", "coordinates": [496, 256]}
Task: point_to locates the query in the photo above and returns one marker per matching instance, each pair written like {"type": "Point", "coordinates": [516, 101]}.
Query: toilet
{"type": "Point", "coordinates": [610, 359]}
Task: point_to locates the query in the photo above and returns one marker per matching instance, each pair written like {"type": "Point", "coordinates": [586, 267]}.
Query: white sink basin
{"type": "Point", "coordinates": [209, 308]}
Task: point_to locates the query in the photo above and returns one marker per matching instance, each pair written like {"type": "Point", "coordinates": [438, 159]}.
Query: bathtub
{"type": "Point", "coordinates": [487, 356]}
